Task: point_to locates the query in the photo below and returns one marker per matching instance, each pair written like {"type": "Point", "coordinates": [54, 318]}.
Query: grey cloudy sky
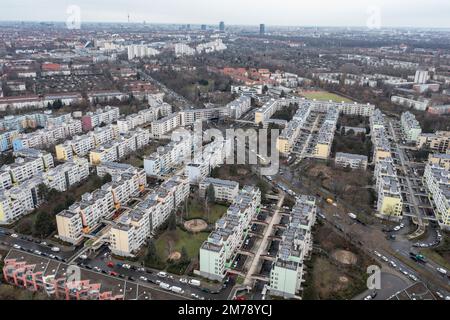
{"type": "Point", "coordinates": [415, 13]}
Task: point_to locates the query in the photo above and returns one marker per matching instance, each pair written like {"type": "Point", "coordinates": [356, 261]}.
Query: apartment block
{"type": "Point", "coordinates": [168, 157]}
{"type": "Point", "coordinates": [33, 120]}
{"type": "Point", "coordinates": [115, 168]}
{"type": "Point", "coordinates": [440, 159]}
{"type": "Point", "coordinates": [131, 230]}
{"type": "Point", "coordinates": [286, 275]}
{"type": "Point", "coordinates": [191, 116]}
{"type": "Point", "coordinates": [119, 148]}
{"type": "Point", "coordinates": [437, 181]}
{"type": "Point", "coordinates": [325, 136]}
{"type": "Point", "coordinates": [390, 202]}
{"type": "Point", "coordinates": [238, 107]}
{"type": "Point", "coordinates": [381, 144]}
{"type": "Point", "coordinates": [140, 51]}
{"type": "Point", "coordinates": [105, 116]}
{"type": "Point", "coordinates": [47, 137]}
{"type": "Point", "coordinates": [286, 140]}
{"type": "Point", "coordinates": [144, 117]}
{"type": "Point", "coordinates": [6, 139]}
{"type": "Point", "coordinates": [165, 125]}
{"type": "Point", "coordinates": [81, 145]}
{"type": "Point", "coordinates": [437, 142]}
{"type": "Point", "coordinates": [271, 107]}
{"type": "Point", "coordinates": [27, 164]}
{"type": "Point", "coordinates": [18, 201]}
{"type": "Point", "coordinates": [64, 176]}
{"type": "Point", "coordinates": [85, 215]}
{"type": "Point", "coordinates": [420, 104]}
{"type": "Point", "coordinates": [209, 157]}
{"type": "Point", "coordinates": [224, 190]}
{"type": "Point", "coordinates": [410, 127]}
{"type": "Point", "coordinates": [352, 161]}
{"type": "Point", "coordinates": [218, 251]}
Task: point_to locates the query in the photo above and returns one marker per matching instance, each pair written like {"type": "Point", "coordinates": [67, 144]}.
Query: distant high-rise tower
{"type": "Point", "coordinates": [188, 27]}
{"type": "Point", "coordinates": [262, 29]}
{"type": "Point", "coordinates": [203, 27]}
{"type": "Point", "coordinates": [222, 26]}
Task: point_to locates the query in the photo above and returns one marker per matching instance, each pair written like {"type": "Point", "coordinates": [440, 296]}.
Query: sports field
{"type": "Point", "coordinates": [325, 96]}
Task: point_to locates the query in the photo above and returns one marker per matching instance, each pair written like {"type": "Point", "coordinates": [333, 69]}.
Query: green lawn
{"type": "Point", "coordinates": [196, 210]}
{"type": "Point", "coordinates": [325, 96]}
{"type": "Point", "coordinates": [171, 241]}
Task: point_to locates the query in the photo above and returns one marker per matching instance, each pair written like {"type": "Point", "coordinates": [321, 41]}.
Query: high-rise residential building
{"type": "Point", "coordinates": [222, 26]}
{"type": "Point", "coordinates": [286, 276]}
{"type": "Point", "coordinates": [410, 126]}
{"type": "Point", "coordinates": [262, 29]}
{"type": "Point", "coordinates": [217, 252]}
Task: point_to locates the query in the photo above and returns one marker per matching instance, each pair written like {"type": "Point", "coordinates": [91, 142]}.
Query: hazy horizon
{"type": "Point", "coordinates": [320, 13]}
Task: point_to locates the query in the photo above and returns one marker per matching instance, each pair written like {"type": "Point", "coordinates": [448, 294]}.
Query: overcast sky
{"type": "Point", "coordinates": [415, 13]}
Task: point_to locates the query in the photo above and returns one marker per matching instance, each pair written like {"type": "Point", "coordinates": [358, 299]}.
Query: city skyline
{"type": "Point", "coordinates": [286, 13]}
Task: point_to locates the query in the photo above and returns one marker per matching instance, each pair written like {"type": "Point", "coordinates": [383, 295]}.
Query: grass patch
{"type": "Point", "coordinates": [324, 96]}
{"type": "Point", "coordinates": [196, 210]}
{"type": "Point", "coordinates": [171, 241]}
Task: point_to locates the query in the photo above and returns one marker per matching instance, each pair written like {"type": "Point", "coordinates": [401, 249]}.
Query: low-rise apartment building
{"type": "Point", "coordinates": [38, 274]}
{"type": "Point", "coordinates": [420, 105]}
{"type": "Point", "coordinates": [352, 161]}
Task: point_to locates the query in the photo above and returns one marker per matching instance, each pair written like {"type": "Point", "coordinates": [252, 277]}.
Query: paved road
{"type": "Point", "coordinates": [29, 244]}
{"type": "Point", "coordinates": [103, 257]}
{"type": "Point", "coordinates": [390, 284]}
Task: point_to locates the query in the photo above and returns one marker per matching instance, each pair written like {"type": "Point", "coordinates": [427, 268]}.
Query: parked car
{"type": "Point", "coordinates": [442, 271]}
{"type": "Point", "coordinates": [183, 280]}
